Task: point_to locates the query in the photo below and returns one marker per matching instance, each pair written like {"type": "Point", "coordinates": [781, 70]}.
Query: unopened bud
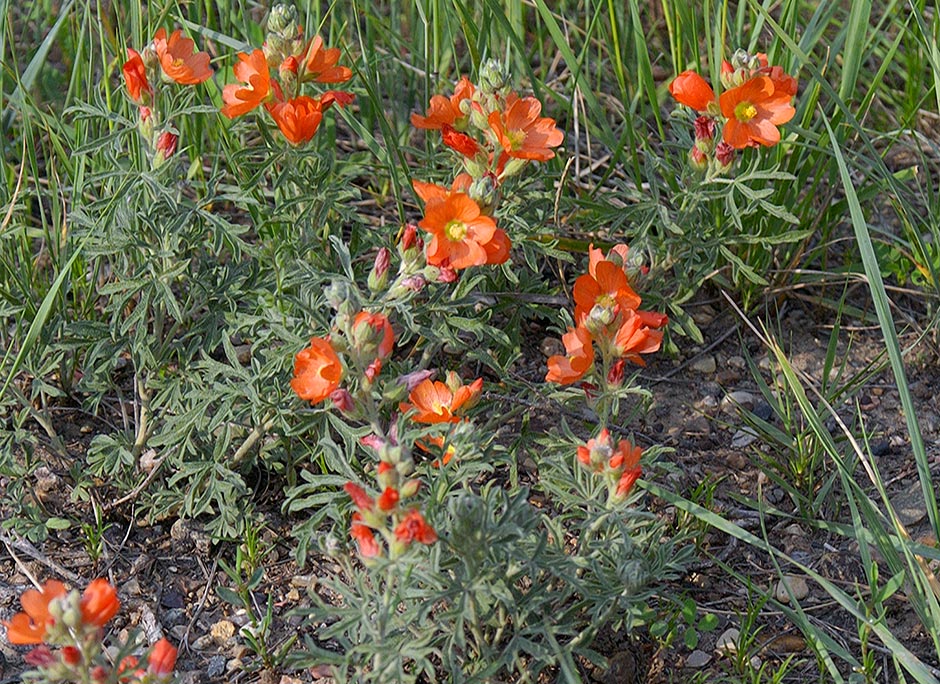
{"type": "Point", "coordinates": [704, 128]}
{"type": "Point", "coordinates": [378, 277]}
{"type": "Point", "coordinates": [165, 148]}
{"type": "Point", "coordinates": [599, 318]}
{"type": "Point", "coordinates": [446, 274]}
{"type": "Point", "coordinates": [342, 400]}
{"type": "Point", "coordinates": [145, 124]}
{"type": "Point", "coordinates": [698, 160]}
{"type": "Point", "coordinates": [415, 378]}
{"type": "Point", "coordinates": [615, 374]}
{"type": "Point", "coordinates": [410, 488]}
{"type": "Point", "coordinates": [283, 20]}
{"type": "Point", "coordinates": [485, 192]}
{"type": "Point", "coordinates": [414, 283]}
{"type": "Point", "coordinates": [513, 167]}
{"type": "Point", "coordinates": [493, 77]}
{"type": "Point", "coordinates": [724, 156]}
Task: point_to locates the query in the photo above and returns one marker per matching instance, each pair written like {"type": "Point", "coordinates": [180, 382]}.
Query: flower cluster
{"type": "Point", "coordinates": [165, 60]}
{"type": "Point", "coordinates": [756, 98]}
{"type": "Point", "coordinates": [607, 315]}
{"type": "Point", "coordinates": [346, 367]}
{"type": "Point", "coordinates": [619, 465]}
{"type": "Point", "coordinates": [494, 133]}
{"type": "Point", "coordinates": [274, 77]}
{"type": "Point", "coordinates": [72, 623]}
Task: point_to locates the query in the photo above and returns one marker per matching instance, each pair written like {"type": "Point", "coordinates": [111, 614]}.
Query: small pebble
{"type": "Point", "coordinates": [704, 364]}
{"type": "Point", "coordinates": [743, 438]}
{"type": "Point", "coordinates": [697, 659]}
{"type": "Point", "coordinates": [797, 587]}
{"type": "Point", "coordinates": [733, 400]}
{"type": "Point", "coordinates": [727, 643]}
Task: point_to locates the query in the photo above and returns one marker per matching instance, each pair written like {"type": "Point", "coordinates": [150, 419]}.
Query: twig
{"type": "Point", "coordinates": [34, 553]}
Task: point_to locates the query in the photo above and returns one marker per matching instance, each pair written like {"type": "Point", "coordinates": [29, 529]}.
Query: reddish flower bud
{"type": "Point", "coordinates": [408, 237]}
{"type": "Point", "coordinates": [40, 656]}
{"type": "Point", "coordinates": [373, 370]}
{"type": "Point", "coordinates": [388, 499]}
{"type": "Point", "coordinates": [378, 277]}
{"type": "Point", "coordinates": [71, 655]}
{"type": "Point", "coordinates": [615, 374]}
{"type": "Point", "coordinates": [342, 400]}
{"type": "Point", "coordinates": [704, 128]}
{"type": "Point", "coordinates": [414, 283]}
{"type": "Point", "coordinates": [415, 378]}
{"type": "Point", "coordinates": [373, 442]}
{"type": "Point", "coordinates": [447, 274]}
{"type": "Point", "coordinates": [724, 154]}
{"type": "Point", "coordinates": [162, 658]}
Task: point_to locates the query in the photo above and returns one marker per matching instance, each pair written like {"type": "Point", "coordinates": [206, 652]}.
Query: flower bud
{"type": "Point", "coordinates": [446, 274]}
{"type": "Point", "coordinates": [599, 318]}
{"type": "Point", "coordinates": [485, 192]}
{"type": "Point", "coordinates": [615, 374]}
{"type": "Point", "coordinates": [338, 293]}
{"type": "Point", "coordinates": [414, 283]}
{"type": "Point", "coordinates": [283, 21]}
{"type": "Point", "coordinates": [378, 276]}
{"type": "Point", "coordinates": [165, 148]}
{"type": "Point", "coordinates": [145, 124]}
{"type": "Point", "coordinates": [704, 128]}
{"type": "Point", "coordinates": [494, 77]}
{"type": "Point", "coordinates": [410, 488]}
{"type": "Point", "coordinates": [415, 378]}
{"type": "Point", "coordinates": [513, 167]}
{"type": "Point", "coordinates": [724, 156]}
{"type": "Point", "coordinates": [342, 400]}
{"type": "Point", "coordinates": [698, 160]}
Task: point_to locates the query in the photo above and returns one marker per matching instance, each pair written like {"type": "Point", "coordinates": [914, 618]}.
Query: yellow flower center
{"type": "Point", "coordinates": [516, 139]}
{"type": "Point", "coordinates": [455, 230]}
{"type": "Point", "coordinates": [745, 111]}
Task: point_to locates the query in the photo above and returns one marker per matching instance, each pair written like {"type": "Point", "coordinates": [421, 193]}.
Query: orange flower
{"type": "Point", "coordinates": [99, 603]}
{"type": "Point", "coordinates": [317, 371]}
{"type": "Point", "coordinates": [298, 118]}
{"type": "Point", "coordinates": [617, 254]}
{"type": "Point", "coordinates": [135, 77]}
{"type": "Point", "coordinates": [162, 658]}
{"type": "Point", "coordinates": [29, 627]}
{"type": "Point", "coordinates": [522, 133]}
{"type": "Point", "coordinates": [627, 458]}
{"type": "Point", "coordinates": [606, 286]}
{"type": "Point", "coordinates": [253, 70]}
{"type": "Point", "coordinates": [365, 538]}
{"type": "Point", "coordinates": [413, 527]}
{"type": "Point", "coordinates": [497, 249]}
{"type": "Point", "coordinates": [692, 90]}
{"type": "Point", "coordinates": [320, 64]}
{"type": "Point", "coordinates": [178, 60]}
{"type": "Point", "coordinates": [755, 109]}
{"type": "Point", "coordinates": [446, 110]}
{"type": "Point", "coordinates": [634, 338]}
{"type": "Point", "coordinates": [436, 403]}
{"type": "Point", "coordinates": [459, 231]}
{"type": "Point", "coordinates": [568, 369]}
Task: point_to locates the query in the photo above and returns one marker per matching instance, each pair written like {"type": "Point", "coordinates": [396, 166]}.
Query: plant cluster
{"type": "Point", "coordinates": [73, 624]}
